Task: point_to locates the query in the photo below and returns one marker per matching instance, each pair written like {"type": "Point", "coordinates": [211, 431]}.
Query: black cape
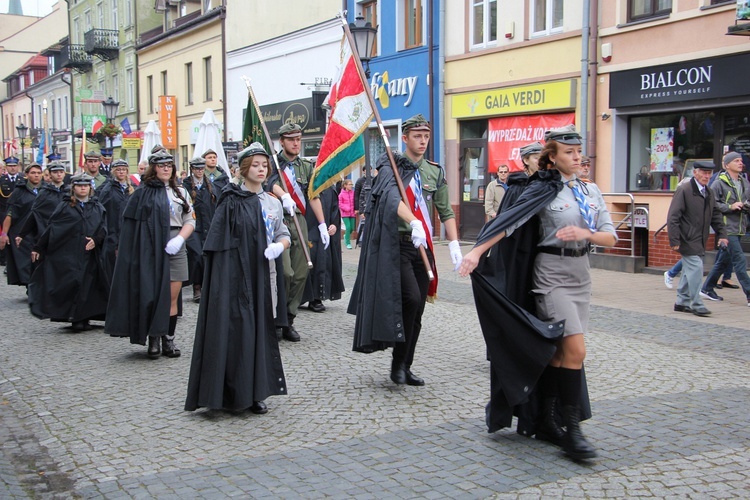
{"type": "Point", "coordinates": [204, 204]}
{"type": "Point", "coordinates": [19, 266]}
{"type": "Point", "coordinates": [376, 295]}
{"type": "Point", "coordinates": [324, 281]}
{"type": "Point", "coordinates": [46, 202]}
{"type": "Point", "coordinates": [70, 283]}
{"type": "Point", "coordinates": [112, 197]}
{"type": "Point", "coordinates": [140, 296]}
{"type": "Point", "coordinates": [236, 357]}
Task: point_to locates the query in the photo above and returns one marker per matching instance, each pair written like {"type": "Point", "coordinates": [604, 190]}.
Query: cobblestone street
{"type": "Point", "coordinates": [86, 415]}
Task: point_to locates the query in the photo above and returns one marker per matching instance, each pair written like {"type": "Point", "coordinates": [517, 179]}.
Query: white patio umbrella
{"type": "Point", "coordinates": [209, 137]}
{"type": "Point", "coordinates": [151, 137]}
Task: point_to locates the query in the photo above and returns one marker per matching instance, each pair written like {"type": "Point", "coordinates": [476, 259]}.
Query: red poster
{"type": "Point", "coordinates": [507, 134]}
{"type": "Point", "coordinates": [168, 121]}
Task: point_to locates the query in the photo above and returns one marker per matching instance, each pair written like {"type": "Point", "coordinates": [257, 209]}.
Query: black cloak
{"type": "Point", "coordinates": [140, 296]}
{"type": "Point", "coordinates": [19, 266]}
{"type": "Point", "coordinates": [114, 199]}
{"type": "Point", "coordinates": [324, 281]}
{"type": "Point", "coordinates": [204, 204]}
{"type": "Point", "coordinates": [376, 296]}
{"type": "Point", "coordinates": [236, 358]}
{"type": "Point", "coordinates": [46, 202]}
{"type": "Point", "coordinates": [70, 283]}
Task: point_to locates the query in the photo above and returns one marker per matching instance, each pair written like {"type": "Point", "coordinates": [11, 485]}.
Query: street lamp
{"type": "Point", "coordinates": [110, 109]}
{"type": "Point", "coordinates": [364, 39]}
{"type": "Point", "coordinates": [22, 130]}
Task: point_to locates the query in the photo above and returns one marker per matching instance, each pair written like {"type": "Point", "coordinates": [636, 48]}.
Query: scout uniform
{"type": "Point", "coordinates": [99, 179]}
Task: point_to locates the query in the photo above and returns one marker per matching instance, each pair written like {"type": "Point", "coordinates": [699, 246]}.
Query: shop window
{"type": "Point", "coordinates": [644, 9]}
{"type": "Point", "coordinates": [483, 23]}
{"type": "Point", "coordinates": [546, 17]}
{"type": "Point", "coordinates": [662, 148]}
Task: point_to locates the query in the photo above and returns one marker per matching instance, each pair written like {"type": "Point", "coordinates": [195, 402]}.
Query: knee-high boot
{"type": "Point", "coordinates": [550, 428]}
{"type": "Point", "coordinates": [574, 444]}
{"type": "Point", "coordinates": [167, 341]}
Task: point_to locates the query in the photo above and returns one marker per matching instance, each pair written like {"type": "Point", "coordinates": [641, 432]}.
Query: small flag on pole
{"type": "Point", "coordinates": [125, 124]}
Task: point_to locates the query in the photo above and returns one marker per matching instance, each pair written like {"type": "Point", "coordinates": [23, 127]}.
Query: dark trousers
{"type": "Point", "coordinates": [414, 285]}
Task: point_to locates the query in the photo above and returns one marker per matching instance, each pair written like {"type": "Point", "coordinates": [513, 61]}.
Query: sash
{"type": "Point", "coordinates": [135, 179]}
{"type": "Point", "coordinates": [293, 187]}
{"type": "Point", "coordinates": [420, 210]}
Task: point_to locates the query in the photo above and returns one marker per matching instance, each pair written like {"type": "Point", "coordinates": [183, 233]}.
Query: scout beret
{"type": "Point", "coordinates": [120, 163]}
{"type": "Point", "coordinates": [92, 155]}
{"type": "Point", "coordinates": [11, 160]}
{"type": "Point", "coordinates": [54, 166]}
{"type": "Point", "coordinates": [416, 122]}
{"type": "Point", "coordinates": [703, 165]}
{"type": "Point", "coordinates": [253, 149]}
{"type": "Point", "coordinates": [208, 152]}
{"type": "Point", "coordinates": [730, 157]}
{"type": "Point", "coordinates": [83, 179]}
{"type": "Point", "coordinates": [290, 130]}
{"type": "Point", "coordinates": [530, 149]}
{"type": "Point", "coordinates": [197, 163]}
{"type": "Point", "coordinates": [160, 156]}
{"type": "Point", "coordinates": [564, 135]}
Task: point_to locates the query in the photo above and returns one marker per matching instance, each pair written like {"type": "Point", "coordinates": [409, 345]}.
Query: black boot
{"type": "Point", "coordinates": [550, 428]}
{"type": "Point", "coordinates": [398, 372]}
{"type": "Point", "coordinates": [167, 341]}
{"type": "Point", "coordinates": [412, 379]}
{"type": "Point", "coordinates": [196, 293]}
{"type": "Point", "coordinates": [153, 347]}
{"type": "Point", "coordinates": [574, 443]}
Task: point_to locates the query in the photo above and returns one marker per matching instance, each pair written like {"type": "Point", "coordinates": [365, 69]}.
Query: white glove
{"type": "Point", "coordinates": [456, 256]}
{"type": "Point", "coordinates": [174, 245]}
{"type": "Point", "coordinates": [273, 251]}
{"type": "Point", "coordinates": [325, 238]}
{"type": "Point", "coordinates": [288, 202]}
{"type": "Point", "coordinates": [418, 236]}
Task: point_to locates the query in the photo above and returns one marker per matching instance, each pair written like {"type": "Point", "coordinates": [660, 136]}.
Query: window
{"type": "Point", "coordinates": [546, 17]}
{"type": "Point", "coordinates": [87, 19]}
{"type": "Point", "coordinates": [128, 13]}
{"type": "Point", "coordinates": [100, 15]}
{"type": "Point", "coordinates": [65, 113]}
{"type": "Point", "coordinates": [643, 9]}
{"type": "Point", "coordinates": [163, 83]}
{"type": "Point", "coordinates": [206, 6]}
{"type": "Point", "coordinates": [413, 23]}
{"type": "Point", "coordinates": [370, 13]}
{"type": "Point", "coordinates": [78, 32]}
{"type": "Point", "coordinates": [189, 82]}
{"type": "Point", "coordinates": [116, 87]}
{"type": "Point", "coordinates": [130, 89]}
{"type": "Point", "coordinates": [207, 79]}
{"type": "Point", "coordinates": [115, 24]}
{"type": "Point", "coordinates": [483, 22]}
{"type": "Point", "coordinates": [53, 122]}
{"type": "Point", "coordinates": [150, 89]}
{"type": "Point", "coordinates": [184, 154]}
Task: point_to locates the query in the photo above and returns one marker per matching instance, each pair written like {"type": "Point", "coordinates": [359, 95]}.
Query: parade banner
{"type": "Point", "coordinates": [506, 135]}
{"type": "Point", "coordinates": [168, 121]}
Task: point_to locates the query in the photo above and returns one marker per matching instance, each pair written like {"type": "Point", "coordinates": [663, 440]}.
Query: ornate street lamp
{"type": "Point", "coordinates": [110, 109]}
{"type": "Point", "coordinates": [22, 130]}
{"type": "Point", "coordinates": [364, 38]}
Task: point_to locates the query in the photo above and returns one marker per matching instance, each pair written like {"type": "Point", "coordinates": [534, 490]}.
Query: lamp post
{"type": "Point", "coordinates": [364, 38]}
{"type": "Point", "coordinates": [110, 109]}
{"type": "Point", "coordinates": [22, 130]}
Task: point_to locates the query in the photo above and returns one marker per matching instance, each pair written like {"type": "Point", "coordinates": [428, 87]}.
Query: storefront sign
{"type": "Point", "coordinates": [507, 135]}
{"type": "Point", "coordinates": [383, 88]}
{"type": "Point", "coordinates": [299, 111]}
{"type": "Point", "coordinates": [515, 100]}
{"type": "Point", "coordinates": [714, 78]}
{"type": "Point", "coordinates": [131, 143]}
{"type": "Point", "coordinates": [168, 120]}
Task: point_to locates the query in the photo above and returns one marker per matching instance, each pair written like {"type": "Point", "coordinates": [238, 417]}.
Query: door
{"type": "Point", "coordinates": [473, 162]}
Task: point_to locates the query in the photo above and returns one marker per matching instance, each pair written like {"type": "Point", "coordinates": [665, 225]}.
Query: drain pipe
{"type": "Point", "coordinates": [585, 77]}
{"type": "Point", "coordinates": [593, 43]}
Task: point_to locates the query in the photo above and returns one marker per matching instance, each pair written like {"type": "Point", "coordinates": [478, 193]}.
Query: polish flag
{"type": "Point", "coordinates": [96, 126]}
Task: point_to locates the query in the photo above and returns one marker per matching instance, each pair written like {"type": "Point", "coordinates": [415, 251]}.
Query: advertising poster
{"type": "Point", "coordinates": [506, 135]}
{"type": "Point", "coordinates": [662, 149]}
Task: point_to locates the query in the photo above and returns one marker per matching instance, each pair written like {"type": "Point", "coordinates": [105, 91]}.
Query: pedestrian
{"type": "Point", "coordinates": [732, 192]}
{"type": "Point", "coordinates": [347, 208]}
{"type": "Point", "coordinates": [692, 211]}
{"type": "Point", "coordinates": [361, 193]}
{"type": "Point", "coordinates": [392, 282]}
{"type": "Point", "coordinates": [572, 215]}
{"type": "Point", "coordinates": [204, 196]}
{"type": "Point", "coordinates": [113, 195]}
{"type": "Point", "coordinates": [8, 181]}
{"type": "Point", "coordinates": [495, 191]}
{"type": "Point", "coordinates": [585, 168]}
{"type": "Point", "coordinates": [70, 283]}
{"type": "Point", "coordinates": [236, 363]}
{"type": "Point", "coordinates": [19, 266]}
{"type": "Point", "coordinates": [151, 260]}
{"type": "Point", "coordinates": [135, 179]}
{"type": "Point", "coordinates": [296, 173]}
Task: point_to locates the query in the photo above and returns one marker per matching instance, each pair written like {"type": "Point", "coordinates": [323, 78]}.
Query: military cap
{"type": "Point", "coordinates": [290, 130]}
{"type": "Point", "coordinates": [564, 135]}
{"type": "Point", "coordinates": [120, 163]}
{"type": "Point", "coordinates": [208, 152]}
{"type": "Point", "coordinates": [92, 155]}
{"type": "Point", "coordinates": [158, 147]}
{"type": "Point", "coordinates": [82, 179]}
{"type": "Point", "coordinates": [106, 152]}
{"type": "Point", "coordinates": [416, 122]}
{"type": "Point", "coordinates": [54, 166]}
{"type": "Point", "coordinates": [197, 163]}
{"type": "Point", "coordinates": [32, 165]}
{"type": "Point", "coordinates": [253, 149]}
{"type": "Point", "coordinates": [53, 157]}
{"type": "Point", "coordinates": [160, 156]}
{"type": "Point", "coordinates": [530, 149]}
{"type": "Point", "coordinates": [703, 165]}
{"type": "Point", "coordinates": [11, 160]}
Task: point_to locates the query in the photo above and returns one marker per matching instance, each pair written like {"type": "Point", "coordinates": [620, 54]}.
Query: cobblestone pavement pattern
{"type": "Point", "coordinates": [86, 415]}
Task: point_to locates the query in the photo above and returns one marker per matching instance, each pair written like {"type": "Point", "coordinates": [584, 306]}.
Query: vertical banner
{"type": "Point", "coordinates": [662, 149]}
{"type": "Point", "coordinates": [507, 134]}
{"type": "Point", "coordinates": [168, 121]}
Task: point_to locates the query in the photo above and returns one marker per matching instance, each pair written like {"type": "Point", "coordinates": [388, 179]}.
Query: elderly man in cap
{"type": "Point", "coordinates": [213, 172]}
{"type": "Point", "coordinates": [296, 173]}
{"type": "Point", "coordinates": [7, 184]}
{"type": "Point", "coordinates": [92, 166]}
{"type": "Point", "coordinates": [493, 195]}
{"type": "Point", "coordinates": [106, 166]}
{"type": "Point", "coordinates": [692, 211]}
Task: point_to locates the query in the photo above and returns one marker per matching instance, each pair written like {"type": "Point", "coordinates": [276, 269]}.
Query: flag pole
{"type": "Point", "coordinates": [282, 184]}
{"type": "Point", "coordinates": [383, 135]}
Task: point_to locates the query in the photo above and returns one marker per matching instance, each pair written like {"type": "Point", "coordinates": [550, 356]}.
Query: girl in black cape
{"type": "Point", "coordinates": [69, 283]}
{"type": "Point", "coordinates": [236, 362]}
{"type": "Point", "coordinates": [204, 198]}
{"type": "Point", "coordinates": [113, 195]}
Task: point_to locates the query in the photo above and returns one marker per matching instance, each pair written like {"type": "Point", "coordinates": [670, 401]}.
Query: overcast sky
{"type": "Point", "coordinates": [31, 7]}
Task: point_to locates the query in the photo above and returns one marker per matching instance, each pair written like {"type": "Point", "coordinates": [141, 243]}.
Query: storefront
{"type": "Point", "coordinates": [666, 118]}
{"type": "Point", "coordinates": [493, 125]}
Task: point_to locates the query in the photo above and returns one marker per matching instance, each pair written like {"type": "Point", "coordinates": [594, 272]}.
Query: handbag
{"type": "Point", "coordinates": [643, 179]}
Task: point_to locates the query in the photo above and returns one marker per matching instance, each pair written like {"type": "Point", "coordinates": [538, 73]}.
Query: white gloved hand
{"type": "Point", "coordinates": [418, 236]}
{"type": "Point", "coordinates": [174, 245]}
{"type": "Point", "coordinates": [273, 251]}
{"type": "Point", "coordinates": [456, 256]}
{"type": "Point", "coordinates": [288, 203]}
{"type": "Point", "coordinates": [324, 236]}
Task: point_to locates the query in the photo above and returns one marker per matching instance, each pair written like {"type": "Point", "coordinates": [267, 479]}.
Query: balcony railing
{"type": "Point", "coordinates": [75, 57]}
{"type": "Point", "coordinates": [104, 44]}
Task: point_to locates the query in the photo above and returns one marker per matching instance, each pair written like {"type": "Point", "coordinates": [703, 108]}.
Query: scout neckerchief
{"type": "Point", "coordinates": [583, 206]}
{"type": "Point", "coordinates": [420, 210]}
{"type": "Point", "coordinates": [295, 191]}
{"type": "Point", "coordinates": [269, 226]}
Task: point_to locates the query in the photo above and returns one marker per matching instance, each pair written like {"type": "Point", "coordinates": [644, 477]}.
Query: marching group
{"type": "Point", "coordinates": [120, 247]}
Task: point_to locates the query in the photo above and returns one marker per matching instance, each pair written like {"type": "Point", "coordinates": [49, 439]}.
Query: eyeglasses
{"type": "Point", "coordinates": [165, 166]}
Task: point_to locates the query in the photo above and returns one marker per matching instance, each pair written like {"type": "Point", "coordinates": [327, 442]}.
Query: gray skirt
{"type": "Point", "coordinates": [178, 263]}
{"type": "Point", "coordinates": [562, 290]}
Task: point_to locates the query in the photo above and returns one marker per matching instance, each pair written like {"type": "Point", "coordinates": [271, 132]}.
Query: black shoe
{"type": "Point", "coordinates": [551, 429]}
{"type": "Point", "coordinates": [412, 379]}
{"type": "Point", "coordinates": [398, 372]}
{"type": "Point", "coordinates": [279, 333]}
{"type": "Point", "coordinates": [575, 444]}
{"type": "Point", "coordinates": [316, 306]}
{"type": "Point", "coordinates": [196, 293]}
{"type": "Point", "coordinates": [80, 326]}
{"type": "Point", "coordinates": [685, 309]}
{"type": "Point", "coordinates": [153, 347]}
{"type": "Point", "coordinates": [259, 408]}
{"type": "Point", "coordinates": [290, 333]}
{"type": "Point", "coordinates": [168, 348]}
{"type": "Point", "coordinates": [729, 284]}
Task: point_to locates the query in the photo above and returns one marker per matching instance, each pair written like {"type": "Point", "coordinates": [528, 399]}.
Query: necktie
{"type": "Point", "coordinates": [269, 226]}
{"type": "Point", "coordinates": [81, 204]}
{"type": "Point", "coordinates": [418, 190]}
{"type": "Point", "coordinates": [123, 186]}
{"type": "Point", "coordinates": [36, 191]}
{"type": "Point", "coordinates": [583, 207]}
